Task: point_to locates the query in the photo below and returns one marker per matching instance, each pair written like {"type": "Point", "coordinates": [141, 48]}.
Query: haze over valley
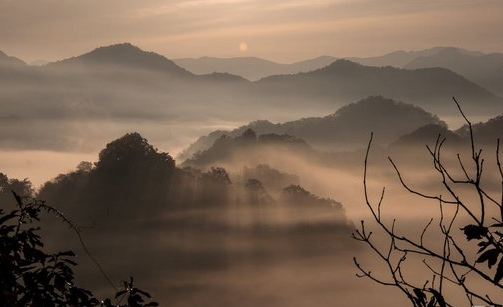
{"type": "Point", "coordinates": [251, 153]}
{"type": "Point", "coordinates": [84, 101]}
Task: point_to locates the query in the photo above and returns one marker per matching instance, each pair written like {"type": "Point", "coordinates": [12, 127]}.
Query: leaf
{"type": "Point", "coordinates": [70, 262]}
{"type": "Point", "coordinates": [66, 253]}
{"type": "Point", "coordinates": [474, 232]}
{"type": "Point", "coordinates": [483, 245]}
{"type": "Point", "coordinates": [9, 216]}
{"type": "Point", "coordinates": [499, 272]}
{"type": "Point", "coordinates": [491, 256]}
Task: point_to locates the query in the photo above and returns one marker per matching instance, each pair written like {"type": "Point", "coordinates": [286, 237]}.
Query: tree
{"type": "Point", "coordinates": [131, 179]}
{"type": "Point", "coordinates": [32, 277]}
{"type": "Point", "coordinates": [22, 187]}
{"type": "Point", "coordinates": [469, 258]}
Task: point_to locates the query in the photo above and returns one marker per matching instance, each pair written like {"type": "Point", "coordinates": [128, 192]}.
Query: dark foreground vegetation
{"type": "Point", "coordinates": [141, 215]}
{"type": "Point", "coordinates": [30, 276]}
{"type": "Point", "coordinates": [460, 249]}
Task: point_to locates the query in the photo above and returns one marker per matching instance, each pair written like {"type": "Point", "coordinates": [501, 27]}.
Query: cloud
{"type": "Point", "coordinates": [54, 28]}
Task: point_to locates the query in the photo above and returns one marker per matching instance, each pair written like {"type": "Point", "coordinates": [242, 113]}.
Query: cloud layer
{"type": "Point", "coordinates": [281, 30]}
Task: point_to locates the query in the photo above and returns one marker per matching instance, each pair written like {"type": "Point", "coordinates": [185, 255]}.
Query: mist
{"type": "Point", "coordinates": [212, 189]}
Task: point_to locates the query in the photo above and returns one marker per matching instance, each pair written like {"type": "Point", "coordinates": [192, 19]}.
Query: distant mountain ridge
{"type": "Point", "coordinates": [429, 88]}
{"type": "Point", "coordinates": [484, 69]}
{"type": "Point", "coordinates": [485, 134]}
{"type": "Point", "coordinates": [10, 60]}
{"type": "Point", "coordinates": [254, 68]}
{"type": "Point", "coordinates": [401, 58]}
{"type": "Point", "coordinates": [348, 128]}
{"type": "Point", "coordinates": [123, 82]}
{"type": "Point", "coordinates": [251, 68]}
{"type": "Point", "coordinates": [124, 55]}
{"type": "Point", "coordinates": [224, 147]}
{"type": "Point", "coordinates": [240, 147]}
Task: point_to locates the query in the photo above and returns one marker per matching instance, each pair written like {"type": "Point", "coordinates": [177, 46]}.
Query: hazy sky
{"type": "Point", "coordinates": [281, 30]}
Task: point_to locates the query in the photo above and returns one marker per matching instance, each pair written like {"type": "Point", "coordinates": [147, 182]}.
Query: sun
{"type": "Point", "coordinates": [243, 47]}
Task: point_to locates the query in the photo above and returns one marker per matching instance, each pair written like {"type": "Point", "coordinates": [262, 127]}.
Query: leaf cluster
{"type": "Point", "coordinates": [32, 277]}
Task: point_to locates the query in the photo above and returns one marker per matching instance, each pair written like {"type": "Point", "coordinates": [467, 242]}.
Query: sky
{"type": "Point", "coordinates": [280, 30]}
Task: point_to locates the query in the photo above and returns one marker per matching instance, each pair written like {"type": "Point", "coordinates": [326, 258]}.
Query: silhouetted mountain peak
{"type": "Point", "coordinates": [223, 76]}
{"type": "Point", "coordinates": [426, 135]}
{"type": "Point", "coordinates": [448, 54]}
{"type": "Point", "coordinates": [483, 69]}
{"type": "Point", "coordinates": [378, 106]}
{"type": "Point", "coordinates": [347, 128]}
{"type": "Point", "coordinates": [457, 50]}
{"type": "Point", "coordinates": [126, 55]}
{"type": "Point", "coordinates": [10, 60]}
{"type": "Point", "coordinates": [248, 142]}
{"type": "Point", "coordinates": [113, 50]}
{"type": "Point", "coordinates": [249, 134]}
{"type": "Point", "coordinates": [342, 65]}
{"type": "Point", "coordinates": [487, 132]}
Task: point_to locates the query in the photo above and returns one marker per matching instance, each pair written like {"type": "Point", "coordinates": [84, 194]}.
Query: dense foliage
{"type": "Point", "coordinates": [30, 276]}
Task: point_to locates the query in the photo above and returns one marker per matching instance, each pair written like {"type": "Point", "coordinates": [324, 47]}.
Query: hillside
{"type": "Point", "coordinates": [9, 60]}
{"type": "Point", "coordinates": [122, 55]}
{"type": "Point", "coordinates": [348, 128]}
{"type": "Point", "coordinates": [429, 88]}
{"type": "Point", "coordinates": [225, 148]}
{"type": "Point", "coordinates": [401, 58]}
{"type": "Point", "coordinates": [483, 69]}
{"type": "Point", "coordinates": [80, 102]}
{"type": "Point", "coordinates": [485, 132]}
{"type": "Point", "coordinates": [251, 68]}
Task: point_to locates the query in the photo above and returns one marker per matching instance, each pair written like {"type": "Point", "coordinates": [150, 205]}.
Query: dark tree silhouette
{"type": "Point", "coordinates": [270, 177]}
{"type": "Point", "coordinates": [32, 277]}
{"type": "Point", "coordinates": [127, 151]}
{"type": "Point", "coordinates": [256, 194]}
{"type": "Point", "coordinates": [463, 255]}
{"type": "Point", "coordinates": [297, 195]}
{"type": "Point", "coordinates": [213, 188]}
{"type": "Point", "coordinates": [129, 173]}
{"type": "Point", "coordinates": [22, 187]}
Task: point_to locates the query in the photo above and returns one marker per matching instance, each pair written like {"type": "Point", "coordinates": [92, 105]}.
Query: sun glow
{"type": "Point", "coordinates": [243, 47]}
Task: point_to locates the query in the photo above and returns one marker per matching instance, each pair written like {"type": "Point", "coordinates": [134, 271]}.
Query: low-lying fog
{"type": "Point", "coordinates": [273, 228]}
{"type": "Point", "coordinates": [248, 256]}
{"type": "Point", "coordinates": [274, 254]}
{"type": "Point", "coordinates": [42, 149]}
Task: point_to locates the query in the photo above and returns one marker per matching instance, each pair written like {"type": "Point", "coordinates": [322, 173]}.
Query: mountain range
{"type": "Point", "coordinates": [124, 83]}
{"type": "Point", "coordinates": [9, 60]}
{"type": "Point", "coordinates": [240, 149]}
{"type": "Point", "coordinates": [122, 56]}
{"type": "Point", "coordinates": [251, 68]}
{"type": "Point", "coordinates": [401, 58]}
{"type": "Point", "coordinates": [430, 88]}
{"type": "Point", "coordinates": [254, 68]}
{"type": "Point", "coordinates": [348, 128]}
{"type": "Point", "coordinates": [483, 69]}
